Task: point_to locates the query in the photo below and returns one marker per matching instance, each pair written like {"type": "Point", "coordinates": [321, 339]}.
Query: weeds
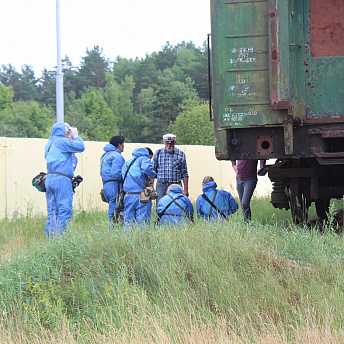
{"type": "Point", "coordinates": [227, 281]}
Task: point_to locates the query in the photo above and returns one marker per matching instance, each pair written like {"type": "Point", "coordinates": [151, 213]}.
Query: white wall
{"type": "Point", "coordinates": [21, 159]}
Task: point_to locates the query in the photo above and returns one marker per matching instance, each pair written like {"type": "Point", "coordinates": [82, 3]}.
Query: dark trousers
{"type": "Point", "coordinates": [161, 188]}
{"type": "Point", "coordinates": [245, 190]}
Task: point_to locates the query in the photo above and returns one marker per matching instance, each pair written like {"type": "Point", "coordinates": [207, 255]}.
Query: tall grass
{"type": "Point", "coordinates": [224, 282]}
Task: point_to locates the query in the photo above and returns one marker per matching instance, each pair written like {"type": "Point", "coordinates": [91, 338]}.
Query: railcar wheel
{"type": "Point", "coordinates": [299, 200]}
{"type": "Point", "coordinates": [322, 207]}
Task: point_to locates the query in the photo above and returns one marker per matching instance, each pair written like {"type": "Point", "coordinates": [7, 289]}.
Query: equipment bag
{"type": "Point", "coordinates": [120, 198]}
{"type": "Point", "coordinates": [102, 196]}
{"type": "Point", "coordinates": [39, 182]}
{"type": "Point", "coordinates": [101, 166]}
{"type": "Point", "coordinates": [118, 216]}
{"type": "Point", "coordinates": [76, 181]}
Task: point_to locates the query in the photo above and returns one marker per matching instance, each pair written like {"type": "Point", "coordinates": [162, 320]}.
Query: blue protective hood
{"type": "Point", "coordinates": [58, 131]}
{"type": "Point", "coordinates": [176, 190]}
{"type": "Point", "coordinates": [209, 186]}
{"type": "Point", "coordinates": [140, 152]}
{"type": "Point", "coordinates": [109, 147]}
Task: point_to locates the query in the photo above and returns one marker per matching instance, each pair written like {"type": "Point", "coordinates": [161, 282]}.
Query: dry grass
{"type": "Point", "coordinates": [178, 327]}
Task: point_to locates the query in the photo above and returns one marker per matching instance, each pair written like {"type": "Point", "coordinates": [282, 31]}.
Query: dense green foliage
{"type": "Point", "coordinates": [226, 282]}
{"type": "Point", "coordinates": [139, 98]}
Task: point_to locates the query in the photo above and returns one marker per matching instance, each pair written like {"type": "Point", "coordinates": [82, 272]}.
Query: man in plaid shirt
{"type": "Point", "coordinates": [170, 165]}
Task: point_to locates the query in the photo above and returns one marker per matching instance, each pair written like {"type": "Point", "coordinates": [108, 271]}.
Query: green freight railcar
{"type": "Point", "coordinates": [277, 71]}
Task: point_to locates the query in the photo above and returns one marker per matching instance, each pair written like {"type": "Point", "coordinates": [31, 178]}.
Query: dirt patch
{"type": "Point", "coordinates": [275, 263]}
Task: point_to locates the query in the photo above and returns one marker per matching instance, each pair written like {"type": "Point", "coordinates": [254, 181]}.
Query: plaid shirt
{"type": "Point", "coordinates": [170, 167]}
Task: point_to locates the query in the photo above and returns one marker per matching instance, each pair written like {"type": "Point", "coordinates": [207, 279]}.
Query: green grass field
{"type": "Point", "coordinates": [226, 282]}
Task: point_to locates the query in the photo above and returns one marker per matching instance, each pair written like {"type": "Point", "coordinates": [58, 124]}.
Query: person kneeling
{"type": "Point", "coordinates": [214, 203]}
{"type": "Point", "coordinates": [174, 207]}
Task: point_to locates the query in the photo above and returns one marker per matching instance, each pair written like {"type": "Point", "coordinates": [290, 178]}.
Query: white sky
{"type": "Point", "coordinates": [129, 28]}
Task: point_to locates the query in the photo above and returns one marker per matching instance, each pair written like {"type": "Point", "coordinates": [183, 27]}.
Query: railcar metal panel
{"type": "Point", "coordinates": [241, 64]}
{"type": "Point", "coordinates": [268, 72]}
{"type": "Point", "coordinates": [278, 92]}
{"type": "Point", "coordinates": [325, 61]}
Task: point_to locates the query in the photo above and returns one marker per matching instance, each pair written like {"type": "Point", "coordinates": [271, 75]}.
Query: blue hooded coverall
{"type": "Point", "coordinates": [140, 170]}
{"type": "Point", "coordinates": [224, 201]}
{"type": "Point", "coordinates": [59, 153]}
{"type": "Point", "coordinates": [173, 213]}
{"type": "Point", "coordinates": [111, 164]}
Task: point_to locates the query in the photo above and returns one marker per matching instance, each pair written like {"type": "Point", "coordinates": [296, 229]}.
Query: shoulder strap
{"type": "Point", "coordinates": [50, 145]}
{"type": "Point", "coordinates": [101, 166]}
{"type": "Point", "coordinates": [211, 205]}
{"type": "Point", "coordinates": [160, 215]}
{"type": "Point", "coordinates": [214, 206]}
{"type": "Point", "coordinates": [157, 156]}
{"type": "Point", "coordinates": [176, 203]}
{"type": "Point", "coordinates": [128, 167]}
{"type": "Point", "coordinates": [185, 212]}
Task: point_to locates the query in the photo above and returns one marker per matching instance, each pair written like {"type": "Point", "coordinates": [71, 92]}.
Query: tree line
{"type": "Point", "coordinates": [139, 98]}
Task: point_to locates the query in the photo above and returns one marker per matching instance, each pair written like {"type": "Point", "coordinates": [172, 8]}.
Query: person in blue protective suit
{"type": "Point", "coordinates": [136, 172]}
{"type": "Point", "coordinates": [60, 151]}
{"type": "Point", "coordinates": [214, 203]}
{"type": "Point", "coordinates": [174, 207]}
{"type": "Point", "coordinates": [111, 163]}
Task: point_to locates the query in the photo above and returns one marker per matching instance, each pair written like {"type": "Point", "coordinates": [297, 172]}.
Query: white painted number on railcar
{"type": "Point", "coordinates": [237, 117]}
{"type": "Point", "coordinates": [243, 55]}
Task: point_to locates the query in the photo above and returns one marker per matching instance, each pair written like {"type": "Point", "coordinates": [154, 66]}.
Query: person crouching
{"type": "Point", "coordinates": [214, 203]}
{"type": "Point", "coordinates": [174, 207]}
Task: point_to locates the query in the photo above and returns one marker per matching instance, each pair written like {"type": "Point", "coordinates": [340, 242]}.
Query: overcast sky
{"type": "Point", "coordinates": [129, 28]}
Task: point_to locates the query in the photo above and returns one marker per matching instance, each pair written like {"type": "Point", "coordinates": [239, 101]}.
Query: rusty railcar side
{"type": "Point", "coordinates": [278, 93]}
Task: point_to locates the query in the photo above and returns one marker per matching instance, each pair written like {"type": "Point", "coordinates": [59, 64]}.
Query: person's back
{"type": "Point", "coordinates": [111, 163]}
{"type": "Point", "coordinates": [216, 203]}
{"type": "Point", "coordinates": [174, 207]}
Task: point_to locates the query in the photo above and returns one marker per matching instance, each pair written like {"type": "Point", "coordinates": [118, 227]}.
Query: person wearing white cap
{"type": "Point", "coordinates": [170, 165]}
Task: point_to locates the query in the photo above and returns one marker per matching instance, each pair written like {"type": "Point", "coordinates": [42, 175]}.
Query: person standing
{"type": "Point", "coordinates": [111, 163]}
{"type": "Point", "coordinates": [174, 207]}
{"type": "Point", "coordinates": [170, 165]}
{"type": "Point", "coordinates": [135, 173]}
{"type": "Point", "coordinates": [214, 203]}
{"type": "Point", "coordinates": [246, 177]}
{"type": "Point", "coordinates": [61, 163]}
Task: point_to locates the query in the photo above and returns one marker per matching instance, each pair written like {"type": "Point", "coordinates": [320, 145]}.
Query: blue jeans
{"type": "Point", "coordinates": [245, 190]}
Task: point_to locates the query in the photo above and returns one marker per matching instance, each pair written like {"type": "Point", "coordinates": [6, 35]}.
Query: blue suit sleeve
{"type": "Point", "coordinates": [233, 205]}
{"type": "Point", "coordinates": [116, 166]}
{"type": "Point", "coordinates": [74, 161]}
{"type": "Point", "coordinates": [198, 206]}
{"type": "Point", "coordinates": [71, 146]}
{"type": "Point", "coordinates": [189, 206]}
{"type": "Point", "coordinates": [147, 167]}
